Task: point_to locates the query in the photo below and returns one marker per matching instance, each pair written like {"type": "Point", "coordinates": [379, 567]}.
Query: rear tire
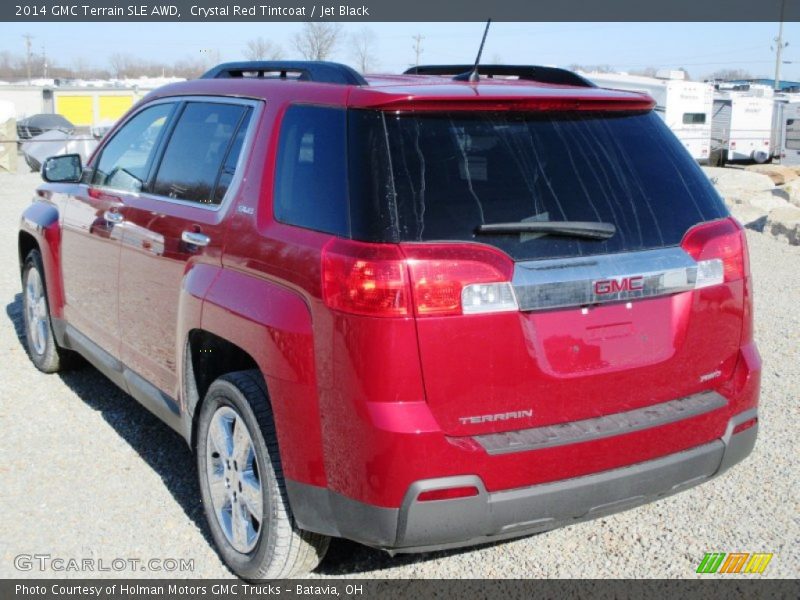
{"type": "Point", "coordinates": [242, 484]}
{"type": "Point", "coordinates": [41, 343]}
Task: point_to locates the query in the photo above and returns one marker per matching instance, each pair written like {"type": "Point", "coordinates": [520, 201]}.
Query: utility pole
{"type": "Point", "coordinates": [44, 60]}
{"type": "Point", "coordinates": [779, 46]}
{"type": "Point", "coordinates": [417, 47]}
{"type": "Point", "coordinates": [28, 37]}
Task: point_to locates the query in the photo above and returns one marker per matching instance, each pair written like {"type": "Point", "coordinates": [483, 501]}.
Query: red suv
{"type": "Point", "coordinates": [413, 311]}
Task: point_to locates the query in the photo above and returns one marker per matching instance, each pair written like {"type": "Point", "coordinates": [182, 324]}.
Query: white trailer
{"type": "Point", "coordinates": [741, 126]}
{"type": "Point", "coordinates": [684, 105]}
{"type": "Point", "coordinates": [790, 134]}
{"type": "Point", "coordinates": [781, 102]}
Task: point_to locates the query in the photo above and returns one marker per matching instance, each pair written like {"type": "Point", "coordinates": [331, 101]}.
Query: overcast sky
{"type": "Point", "coordinates": [699, 47]}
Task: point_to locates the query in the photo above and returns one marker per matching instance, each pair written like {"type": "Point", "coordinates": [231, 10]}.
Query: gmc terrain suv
{"type": "Point", "coordinates": [413, 311]}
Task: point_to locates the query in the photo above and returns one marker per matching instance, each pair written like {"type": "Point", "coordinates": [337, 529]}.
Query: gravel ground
{"type": "Point", "coordinates": [87, 473]}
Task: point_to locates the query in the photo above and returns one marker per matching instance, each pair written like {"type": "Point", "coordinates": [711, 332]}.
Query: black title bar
{"type": "Point", "coordinates": [400, 10]}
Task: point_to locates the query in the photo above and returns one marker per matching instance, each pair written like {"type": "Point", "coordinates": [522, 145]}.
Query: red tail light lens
{"type": "Point", "coordinates": [720, 250]}
{"type": "Point", "coordinates": [454, 279]}
{"type": "Point", "coordinates": [383, 280]}
{"type": "Point", "coordinates": [448, 493]}
{"type": "Point", "coordinates": [744, 426]}
{"type": "Point", "coordinates": [365, 279]}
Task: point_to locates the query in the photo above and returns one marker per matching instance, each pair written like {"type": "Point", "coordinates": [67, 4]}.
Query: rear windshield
{"type": "Point", "coordinates": [429, 177]}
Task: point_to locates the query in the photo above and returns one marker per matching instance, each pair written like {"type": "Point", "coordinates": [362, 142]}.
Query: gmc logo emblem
{"type": "Point", "coordinates": [623, 284]}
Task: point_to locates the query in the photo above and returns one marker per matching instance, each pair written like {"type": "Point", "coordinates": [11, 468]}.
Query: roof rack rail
{"type": "Point", "coordinates": [303, 70]}
{"type": "Point", "coordinates": [525, 72]}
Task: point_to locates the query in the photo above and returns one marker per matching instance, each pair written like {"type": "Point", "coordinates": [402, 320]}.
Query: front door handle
{"type": "Point", "coordinates": [113, 217]}
{"type": "Point", "coordinates": [195, 238]}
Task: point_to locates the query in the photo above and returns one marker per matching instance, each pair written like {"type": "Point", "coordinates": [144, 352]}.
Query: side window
{"type": "Point", "coordinates": [694, 118]}
{"type": "Point", "coordinates": [197, 149]}
{"type": "Point", "coordinates": [311, 170]}
{"type": "Point", "coordinates": [793, 134]}
{"type": "Point", "coordinates": [127, 157]}
{"type": "Point", "coordinates": [231, 160]}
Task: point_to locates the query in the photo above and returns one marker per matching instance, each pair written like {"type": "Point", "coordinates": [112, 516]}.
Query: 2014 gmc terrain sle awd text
{"type": "Point", "coordinates": [417, 311]}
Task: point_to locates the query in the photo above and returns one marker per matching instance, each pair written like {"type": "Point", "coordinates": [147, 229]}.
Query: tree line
{"type": "Point", "coordinates": [315, 41]}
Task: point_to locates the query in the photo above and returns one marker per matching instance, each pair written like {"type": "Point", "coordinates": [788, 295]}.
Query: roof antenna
{"type": "Point", "coordinates": [473, 76]}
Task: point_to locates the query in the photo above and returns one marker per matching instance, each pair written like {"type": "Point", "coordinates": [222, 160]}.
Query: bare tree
{"type": "Point", "coordinates": [592, 68]}
{"type": "Point", "coordinates": [729, 74]}
{"type": "Point", "coordinates": [262, 49]}
{"type": "Point", "coordinates": [121, 65]}
{"type": "Point", "coordinates": [645, 72]}
{"type": "Point", "coordinates": [364, 49]}
{"type": "Point", "coordinates": [317, 41]}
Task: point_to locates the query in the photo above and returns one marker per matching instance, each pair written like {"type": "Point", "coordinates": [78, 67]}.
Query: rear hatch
{"type": "Point", "coordinates": [577, 324]}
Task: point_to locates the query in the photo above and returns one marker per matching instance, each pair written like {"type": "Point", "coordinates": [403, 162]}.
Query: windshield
{"type": "Point", "coordinates": [427, 177]}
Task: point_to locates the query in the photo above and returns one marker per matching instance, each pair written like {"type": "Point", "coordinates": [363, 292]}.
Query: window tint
{"type": "Point", "coordinates": [232, 158]}
{"type": "Point", "coordinates": [445, 174]}
{"type": "Point", "coordinates": [126, 159]}
{"type": "Point", "coordinates": [793, 134]}
{"type": "Point", "coordinates": [694, 118]}
{"type": "Point", "coordinates": [310, 181]}
{"type": "Point", "coordinates": [196, 150]}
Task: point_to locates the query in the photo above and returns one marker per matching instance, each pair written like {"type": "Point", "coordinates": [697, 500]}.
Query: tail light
{"type": "Point", "coordinates": [454, 279]}
{"type": "Point", "coordinates": [365, 279]}
{"type": "Point", "coordinates": [720, 250]}
{"type": "Point", "coordinates": [384, 280]}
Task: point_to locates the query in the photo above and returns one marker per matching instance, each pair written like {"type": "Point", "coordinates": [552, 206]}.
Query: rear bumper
{"type": "Point", "coordinates": [490, 516]}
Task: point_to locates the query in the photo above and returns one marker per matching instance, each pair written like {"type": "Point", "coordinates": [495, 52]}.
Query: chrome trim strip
{"type": "Point", "coordinates": [597, 428]}
{"type": "Point", "coordinates": [559, 283]}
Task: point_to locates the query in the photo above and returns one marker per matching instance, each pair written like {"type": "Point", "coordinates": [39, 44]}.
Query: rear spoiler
{"type": "Point", "coordinates": [551, 75]}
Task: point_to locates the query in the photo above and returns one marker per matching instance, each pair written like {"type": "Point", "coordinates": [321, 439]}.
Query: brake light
{"type": "Point", "coordinates": [365, 279]}
{"type": "Point", "coordinates": [720, 250]}
{"type": "Point", "coordinates": [454, 279]}
{"type": "Point", "coordinates": [385, 280]}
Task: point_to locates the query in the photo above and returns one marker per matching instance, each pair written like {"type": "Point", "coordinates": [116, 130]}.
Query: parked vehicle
{"type": "Point", "coordinates": [790, 134]}
{"type": "Point", "coordinates": [34, 125]}
{"type": "Point", "coordinates": [741, 128]}
{"type": "Point", "coordinates": [685, 106]}
{"type": "Point", "coordinates": [411, 311]}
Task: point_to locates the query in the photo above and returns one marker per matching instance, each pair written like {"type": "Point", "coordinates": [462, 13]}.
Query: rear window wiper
{"type": "Point", "coordinates": [580, 229]}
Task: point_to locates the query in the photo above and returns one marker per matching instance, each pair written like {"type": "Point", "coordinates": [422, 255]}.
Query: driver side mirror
{"type": "Point", "coordinates": [66, 168]}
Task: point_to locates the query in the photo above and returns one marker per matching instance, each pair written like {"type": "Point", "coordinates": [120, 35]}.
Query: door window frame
{"type": "Point", "coordinates": [256, 106]}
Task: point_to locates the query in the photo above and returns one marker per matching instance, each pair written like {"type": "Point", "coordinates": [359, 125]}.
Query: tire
{"type": "Point", "coordinates": [43, 349]}
{"type": "Point", "coordinates": [273, 547]}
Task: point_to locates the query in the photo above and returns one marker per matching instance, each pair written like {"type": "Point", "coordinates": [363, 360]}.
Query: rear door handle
{"type": "Point", "coordinates": [113, 217]}
{"type": "Point", "coordinates": [195, 238]}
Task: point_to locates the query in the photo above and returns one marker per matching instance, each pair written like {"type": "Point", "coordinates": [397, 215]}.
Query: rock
{"type": "Point", "coordinates": [766, 201]}
{"type": "Point", "coordinates": [749, 216]}
{"type": "Point", "coordinates": [784, 224]}
{"type": "Point", "coordinates": [738, 182]}
{"type": "Point", "coordinates": [778, 173]}
{"type": "Point", "coordinates": [791, 192]}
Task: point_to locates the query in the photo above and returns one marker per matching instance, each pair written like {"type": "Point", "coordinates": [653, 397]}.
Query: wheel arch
{"type": "Point", "coordinates": [272, 326]}
{"type": "Point", "coordinates": [39, 230]}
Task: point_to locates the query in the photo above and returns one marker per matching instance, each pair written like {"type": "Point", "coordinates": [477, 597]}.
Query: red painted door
{"type": "Point", "coordinates": [175, 227]}
{"type": "Point", "coordinates": [93, 226]}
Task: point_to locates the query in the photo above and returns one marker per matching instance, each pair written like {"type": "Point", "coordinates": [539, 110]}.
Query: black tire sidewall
{"type": "Point", "coordinates": [224, 393]}
{"type": "Point", "coordinates": [47, 361]}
